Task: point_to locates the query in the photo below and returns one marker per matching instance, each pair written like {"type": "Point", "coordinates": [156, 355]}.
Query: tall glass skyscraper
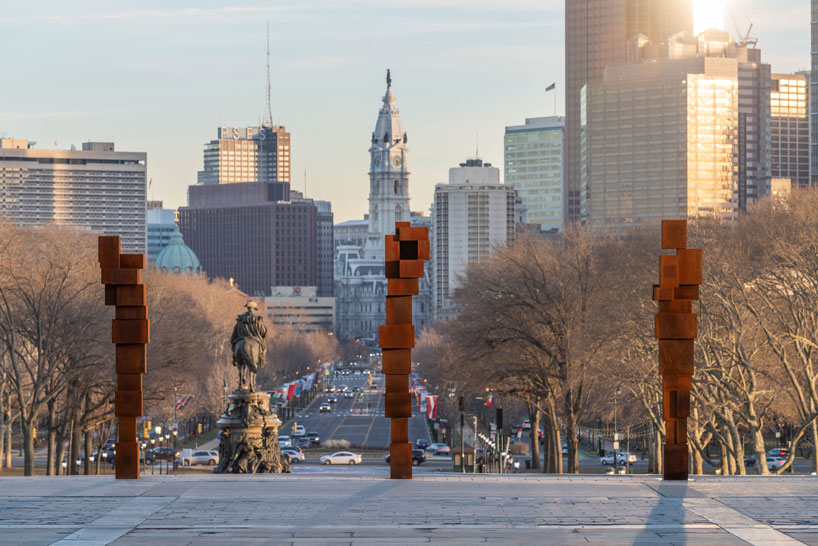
{"type": "Point", "coordinates": [596, 35]}
{"type": "Point", "coordinates": [534, 166]}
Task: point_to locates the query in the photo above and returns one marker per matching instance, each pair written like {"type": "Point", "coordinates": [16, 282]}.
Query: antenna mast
{"type": "Point", "coordinates": [269, 92]}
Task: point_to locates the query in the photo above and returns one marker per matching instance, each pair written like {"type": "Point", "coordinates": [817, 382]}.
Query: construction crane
{"type": "Point", "coordinates": [745, 39]}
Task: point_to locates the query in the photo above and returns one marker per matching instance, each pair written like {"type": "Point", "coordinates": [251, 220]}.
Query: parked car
{"type": "Point", "coordinates": [341, 457]}
{"type": "Point", "coordinates": [161, 454]}
{"type": "Point", "coordinates": [774, 463]}
{"type": "Point", "coordinates": [418, 457]}
{"type": "Point", "coordinates": [293, 456]}
{"type": "Point", "coordinates": [285, 441]}
{"type": "Point", "coordinates": [325, 407]}
{"type": "Point", "coordinates": [438, 449]}
{"type": "Point", "coordinates": [422, 444]}
{"type": "Point", "coordinates": [332, 400]}
{"type": "Point", "coordinates": [191, 457]}
{"type": "Point", "coordinates": [299, 430]}
{"type": "Point", "coordinates": [622, 458]}
{"type": "Point", "coordinates": [315, 440]}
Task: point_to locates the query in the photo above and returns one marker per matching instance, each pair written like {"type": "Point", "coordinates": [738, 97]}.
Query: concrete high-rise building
{"type": "Point", "coordinates": [252, 233]}
{"type": "Point", "coordinates": [534, 166]}
{"type": "Point", "coordinates": [473, 214]}
{"type": "Point", "coordinates": [95, 188]}
{"type": "Point", "coordinates": [789, 128]}
{"type": "Point", "coordinates": [161, 227]}
{"type": "Point", "coordinates": [247, 154]}
{"type": "Point", "coordinates": [325, 247]}
{"type": "Point", "coordinates": [597, 34]}
{"type": "Point", "coordinates": [300, 308]}
{"type": "Point", "coordinates": [684, 132]}
{"type": "Point", "coordinates": [359, 270]}
{"type": "Point", "coordinates": [814, 95]}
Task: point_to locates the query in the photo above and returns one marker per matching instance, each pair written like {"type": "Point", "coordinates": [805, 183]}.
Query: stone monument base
{"type": "Point", "coordinates": [248, 441]}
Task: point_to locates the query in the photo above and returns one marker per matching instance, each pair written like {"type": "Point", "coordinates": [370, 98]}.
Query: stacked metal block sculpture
{"type": "Point", "coordinates": [406, 252]}
{"type": "Point", "coordinates": [121, 275]}
{"type": "Point", "coordinates": [676, 329]}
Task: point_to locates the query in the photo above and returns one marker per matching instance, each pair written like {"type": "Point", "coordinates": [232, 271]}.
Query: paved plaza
{"type": "Point", "coordinates": [364, 508]}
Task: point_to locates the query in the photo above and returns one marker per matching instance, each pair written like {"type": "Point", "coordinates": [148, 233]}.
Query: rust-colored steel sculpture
{"type": "Point", "coordinates": [676, 330]}
{"type": "Point", "coordinates": [406, 252]}
{"type": "Point", "coordinates": [130, 331]}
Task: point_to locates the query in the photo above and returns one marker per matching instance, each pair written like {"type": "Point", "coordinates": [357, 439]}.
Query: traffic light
{"type": "Point", "coordinates": [295, 425]}
{"type": "Point", "coordinates": [461, 404]}
{"type": "Point", "coordinates": [34, 432]}
{"type": "Point", "coordinates": [200, 428]}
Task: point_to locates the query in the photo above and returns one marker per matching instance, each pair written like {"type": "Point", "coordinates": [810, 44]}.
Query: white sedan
{"type": "Point", "coordinates": [341, 457]}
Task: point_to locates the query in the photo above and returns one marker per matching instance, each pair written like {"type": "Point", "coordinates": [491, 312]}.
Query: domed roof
{"type": "Point", "coordinates": [177, 256]}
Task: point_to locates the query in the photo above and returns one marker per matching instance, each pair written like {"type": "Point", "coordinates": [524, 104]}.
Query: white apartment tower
{"type": "Point", "coordinates": [473, 214]}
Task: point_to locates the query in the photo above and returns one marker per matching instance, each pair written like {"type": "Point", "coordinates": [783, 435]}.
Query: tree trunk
{"type": "Point", "coordinates": [738, 449]}
{"type": "Point", "coordinates": [573, 446]}
{"type": "Point", "coordinates": [76, 438]}
{"type": "Point", "coordinates": [8, 441]}
{"type": "Point", "coordinates": [814, 430]}
{"type": "Point", "coordinates": [28, 447]}
{"type": "Point", "coordinates": [2, 432]}
{"type": "Point", "coordinates": [89, 451]}
{"type": "Point", "coordinates": [534, 419]}
{"type": "Point", "coordinates": [759, 449]}
{"type": "Point", "coordinates": [52, 436]}
{"type": "Point", "coordinates": [59, 451]}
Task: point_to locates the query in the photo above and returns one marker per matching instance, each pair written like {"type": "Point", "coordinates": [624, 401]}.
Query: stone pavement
{"type": "Point", "coordinates": [344, 508]}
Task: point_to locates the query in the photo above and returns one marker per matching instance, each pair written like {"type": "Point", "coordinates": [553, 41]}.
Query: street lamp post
{"type": "Point", "coordinates": [616, 435]}
{"type": "Point", "coordinates": [167, 448]}
{"type": "Point", "coordinates": [153, 458]}
{"type": "Point", "coordinates": [175, 448]}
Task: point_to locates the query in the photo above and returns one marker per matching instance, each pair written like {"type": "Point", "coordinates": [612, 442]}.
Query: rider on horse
{"type": "Point", "coordinates": [249, 326]}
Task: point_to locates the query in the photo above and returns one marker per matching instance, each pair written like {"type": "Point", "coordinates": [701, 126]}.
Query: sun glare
{"type": "Point", "coordinates": [708, 14]}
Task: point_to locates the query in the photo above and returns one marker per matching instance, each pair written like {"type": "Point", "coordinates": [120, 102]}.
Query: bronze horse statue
{"type": "Point", "coordinates": [249, 350]}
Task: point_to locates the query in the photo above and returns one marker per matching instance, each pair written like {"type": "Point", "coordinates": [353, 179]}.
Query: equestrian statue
{"type": "Point", "coordinates": [249, 350]}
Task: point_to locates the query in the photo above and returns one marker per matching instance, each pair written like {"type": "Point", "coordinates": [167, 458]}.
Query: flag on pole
{"type": "Point", "coordinates": [551, 87]}
{"type": "Point", "coordinates": [180, 403]}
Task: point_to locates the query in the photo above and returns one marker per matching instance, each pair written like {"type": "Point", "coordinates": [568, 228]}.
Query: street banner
{"type": "Point", "coordinates": [184, 399]}
{"type": "Point", "coordinates": [431, 407]}
{"type": "Point", "coordinates": [290, 391]}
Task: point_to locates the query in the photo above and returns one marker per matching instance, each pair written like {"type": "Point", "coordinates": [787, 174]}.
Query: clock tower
{"type": "Point", "coordinates": [388, 175]}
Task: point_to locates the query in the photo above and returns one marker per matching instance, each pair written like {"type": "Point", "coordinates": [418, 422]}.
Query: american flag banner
{"type": "Point", "coordinates": [184, 399]}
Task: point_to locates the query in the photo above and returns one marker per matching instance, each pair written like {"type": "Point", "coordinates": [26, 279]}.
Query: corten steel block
{"type": "Point", "coordinates": [690, 266]}
{"type": "Point", "coordinates": [676, 325]}
{"type": "Point", "coordinates": [424, 250]}
{"type": "Point", "coordinates": [686, 292]}
{"type": "Point", "coordinates": [130, 331]}
{"type": "Point", "coordinates": [676, 405]}
{"type": "Point", "coordinates": [400, 467]}
{"type": "Point", "coordinates": [675, 457]}
{"type": "Point", "coordinates": [677, 383]}
{"type": "Point", "coordinates": [402, 287]}
{"type": "Point", "coordinates": [108, 251]}
{"type": "Point", "coordinates": [396, 361]}
{"type": "Point", "coordinates": [392, 248]}
{"type": "Point", "coordinates": [127, 429]}
{"type": "Point", "coordinates": [132, 261]}
{"type": "Point", "coordinates": [400, 431]}
{"type": "Point", "coordinates": [128, 382]}
{"type": "Point", "coordinates": [121, 276]}
{"type": "Point", "coordinates": [668, 271]}
{"type": "Point", "coordinates": [399, 225]}
{"type": "Point", "coordinates": [399, 309]}
{"type": "Point", "coordinates": [131, 294]}
{"type": "Point", "coordinates": [397, 383]}
{"type": "Point", "coordinates": [676, 356]}
{"type": "Point", "coordinates": [662, 294]}
{"type": "Point", "coordinates": [410, 269]}
{"type": "Point", "coordinates": [130, 313]}
{"type": "Point", "coordinates": [131, 358]}
{"type": "Point", "coordinates": [396, 336]}
{"type": "Point", "coordinates": [128, 403]}
{"type": "Point", "coordinates": [127, 460]}
{"type": "Point", "coordinates": [676, 430]}
{"type": "Point", "coordinates": [674, 234]}
{"type": "Point", "coordinates": [412, 233]}
{"type": "Point", "coordinates": [676, 306]}
{"type": "Point", "coordinates": [110, 294]}
{"type": "Point", "coordinates": [398, 404]}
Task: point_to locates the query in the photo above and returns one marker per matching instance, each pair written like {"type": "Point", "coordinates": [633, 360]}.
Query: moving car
{"type": "Point", "coordinates": [315, 440]}
{"type": "Point", "coordinates": [349, 394]}
{"type": "Point", "coordinates": [299, 430]}
{"type": "Point", "coordinates": [332, 400]}
{"type": "Point", "coordinates": [343, 388]}
{"type": "Point", "coordinates": [622, 458]}
{"type": "Point", "coordinates": [190, 457]}
{"type": "Point", "coordinates": [341, 457]}
{"type": "Point", "coordinates": [284, 441]}
{"type": "Point", "coordinates": [774, 463]}
{"type": "Point", "coordinates": [418, 457]}
{"type": "Point", "coordinates": [293, 456]}
{"type": "Point", "coordinates": [303, 443]}
{"type": "Point", "coordinates": [438, 449]}
{"type": "Point", "coordinates": [783, 452]}
{"type": "Point", "coordinates": [331, 388]}
{"type": "Point", "coordinates": [161, 454]}
{"type": "Point", "coordinates": [324, 408]}
{"type": "Point", "coordinates": [422, 444]}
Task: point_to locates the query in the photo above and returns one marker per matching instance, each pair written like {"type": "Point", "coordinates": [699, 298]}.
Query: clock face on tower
{"type": "Point", "coordinates": [396, 161]}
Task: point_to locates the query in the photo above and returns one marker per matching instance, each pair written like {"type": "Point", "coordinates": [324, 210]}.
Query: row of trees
{"type": "Point", "coordinates": [56, 357]}
{"type": "Point", "coordinates": [561, 324]}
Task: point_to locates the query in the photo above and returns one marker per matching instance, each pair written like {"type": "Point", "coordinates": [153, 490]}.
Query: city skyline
{"type": "Point", "coordinates": [158, 80]}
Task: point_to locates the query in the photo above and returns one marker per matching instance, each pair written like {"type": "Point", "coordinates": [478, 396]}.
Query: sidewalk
{"type": "Point", "coordinates": [340, 507]}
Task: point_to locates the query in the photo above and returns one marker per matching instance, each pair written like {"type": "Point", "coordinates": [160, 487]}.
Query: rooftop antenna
{"type": "Point", "coordinates": [477, 145]}
{"type": "Point", "coordinates": [305, 183]}
{"type": "Point", "coordinates": [269, 92]}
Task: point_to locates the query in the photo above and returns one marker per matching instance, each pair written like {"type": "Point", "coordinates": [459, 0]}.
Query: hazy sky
{"type": "Point", "coordinates": [160, 76]}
